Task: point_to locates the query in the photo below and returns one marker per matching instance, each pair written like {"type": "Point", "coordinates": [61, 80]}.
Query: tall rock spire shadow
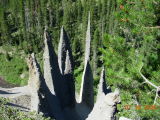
{"type": "Point", "coordinates": [65, 62]}
{"type": "Point", "coordinates": [53, 78]}
{"type": "Point", "coordinates": [69, 80]}
{"type": "Point", "coordinates": [87, 92]}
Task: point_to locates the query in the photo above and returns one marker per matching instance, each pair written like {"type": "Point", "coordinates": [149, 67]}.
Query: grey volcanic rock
{"type": "Point", "coordinates": [102, 87]}
{"type": "Point", "coordinates": [105, 107]}
{"type": "Point", "coordinates": [63, 47]}
{"type": "Point", "coordinates": [54, 79]}
{"type": "Point", "coordinates": [68, 64]}
{"type": "Point", "coordinates": [88, 42]}
{"type": "Point", "coordinates": [42, 100]}
{"type": "Point", "coordinates": [48, 57]}
{"type": "Point", "coordinates": [87, 92]}
{"type": "Point", "coordinates": [34, 82]}
{"type": "Point", "coordinates": [65, 62]}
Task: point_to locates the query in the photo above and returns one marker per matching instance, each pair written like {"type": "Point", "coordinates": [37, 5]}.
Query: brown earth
{"type": "Point", "coordinates": [5, 84]}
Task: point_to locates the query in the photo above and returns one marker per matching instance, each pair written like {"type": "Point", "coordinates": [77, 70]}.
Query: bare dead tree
{"type": "Point", "coordinates": [151, 84]}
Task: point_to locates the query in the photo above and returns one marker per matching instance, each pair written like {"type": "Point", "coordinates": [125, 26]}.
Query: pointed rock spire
{"type": "Point", "coordinates": [48, 57]}
{"type": "Point", "coordinates": [87, 92]}
{"type": "Point", "coordinates": [64, 45]}
{"type": "Point", "coordinates": [55, 81]}
{"type": "Point", "coordinates": [68, 64]}
{"type": "Point", "coordinates": [34, 82]}
{"type": "Point", "coordinates": [105, 108]}
{"type": "Point", "coordinates": [88, 41]}
{"type": "Point", "coordinates": [65, 62]}
{"type": "Point", "coordinates": [102, 87]}
{"type": "Point", "coordinates": [102, 84]}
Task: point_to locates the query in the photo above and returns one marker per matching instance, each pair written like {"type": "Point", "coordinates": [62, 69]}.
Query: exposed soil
{"type": "Point", "coordinates": [23, 102]}
{"type": "Point", "coordinates": [18, 97]}
{"type": "Point", "coordinates": [5, 84]}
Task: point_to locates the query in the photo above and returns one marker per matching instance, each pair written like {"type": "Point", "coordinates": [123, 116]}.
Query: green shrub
{"type": "Point", "coordinates": [11, 113]}
{"type": "Point", "coordinates": [13, 68]}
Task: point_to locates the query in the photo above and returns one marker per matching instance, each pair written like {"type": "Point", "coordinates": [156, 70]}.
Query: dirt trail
{"type": "Point", "coordinates": [19, 96]}
{"type": "Point", "coordinates": [10, 90]}
{"type": "Point", "coordinates": [14, 92]}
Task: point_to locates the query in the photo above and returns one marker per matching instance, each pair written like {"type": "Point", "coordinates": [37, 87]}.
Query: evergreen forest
{"type": "Point", "coordinates": [125, 38]}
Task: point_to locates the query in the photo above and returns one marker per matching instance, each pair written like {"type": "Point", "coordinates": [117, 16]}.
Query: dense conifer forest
{"type": "Point", "coordinates": [125, 37]}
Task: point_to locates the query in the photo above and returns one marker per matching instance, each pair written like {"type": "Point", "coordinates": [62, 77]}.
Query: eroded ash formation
{"type": "Point", "coordinates": [53, 93]}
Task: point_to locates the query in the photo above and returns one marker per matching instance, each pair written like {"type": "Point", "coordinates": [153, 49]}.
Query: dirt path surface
{"type": "Point", "coordinates": [14, 92]}
{"type": "Point", "coordinates": [19, 96]}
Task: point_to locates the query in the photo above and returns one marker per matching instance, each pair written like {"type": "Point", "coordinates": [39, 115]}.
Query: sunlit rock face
{"type": "Point", "coordinates": [34, 82]}
{"type": "Point", "coordinates": [63, 47]}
